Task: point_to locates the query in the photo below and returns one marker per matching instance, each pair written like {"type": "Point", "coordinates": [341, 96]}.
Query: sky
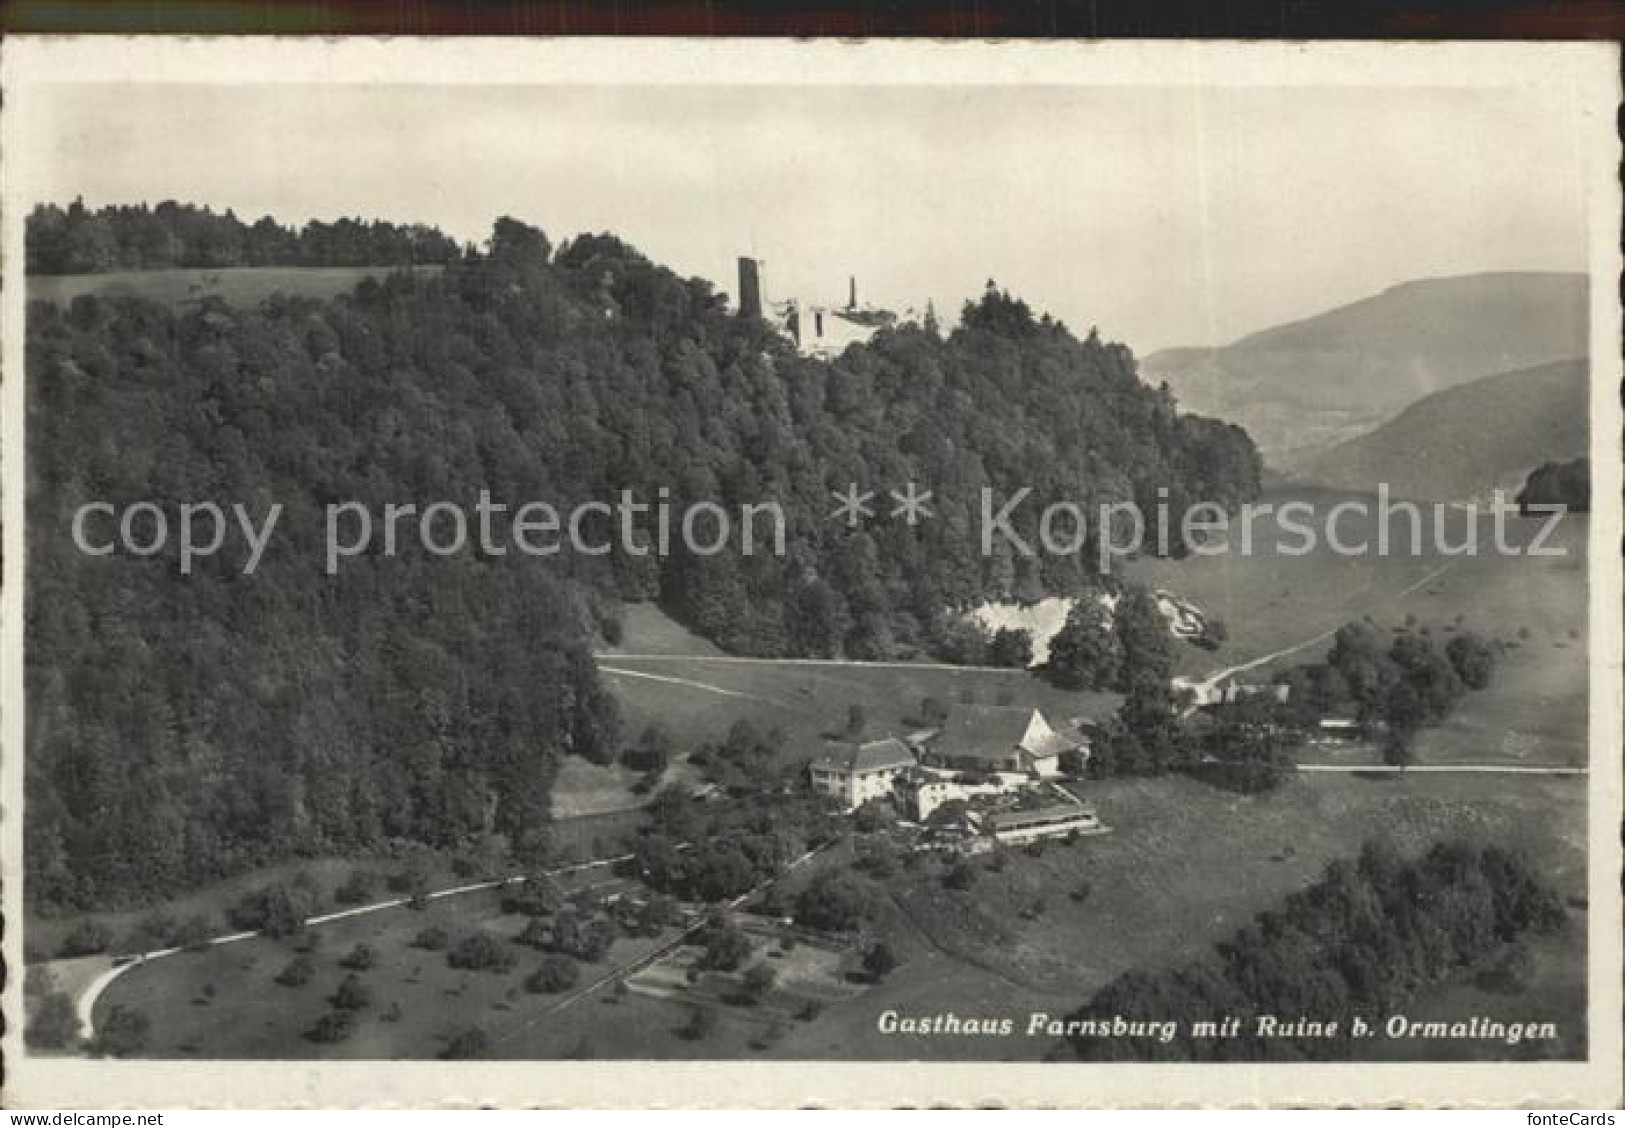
{"type": "Point", "coordinates": [1163, 215]}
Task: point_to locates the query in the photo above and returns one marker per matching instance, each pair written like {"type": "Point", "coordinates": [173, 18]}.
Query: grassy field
{"type": "Point", "coordinates": [225, 1001]}
{"type": "Point", "coordinates": [45, 934]}
{"type": "Point", "coordinates": [699, 699]}
{"type": "Point", "coordinates": [1270, 600]}
{"type": "Point", "coordinates": [240, 286]}
{"type": "Point", "coordinates": [661, 672]}
{"type": "Point", "coordinates": [648, 630]}
{"type": "Point", "coordinates": [1185, 866]}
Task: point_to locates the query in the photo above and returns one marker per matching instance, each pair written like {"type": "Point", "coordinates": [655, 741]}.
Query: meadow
{"type": "Point", "coordinates": [1184, 866]}
{"type": "Point", "coordinates": [660, 676]}
{"type": "Point", "coordinates": [1271, 600]}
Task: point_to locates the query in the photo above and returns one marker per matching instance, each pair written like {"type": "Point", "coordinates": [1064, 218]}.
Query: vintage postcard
{"type": "Point", "coordinates": [779, 573]}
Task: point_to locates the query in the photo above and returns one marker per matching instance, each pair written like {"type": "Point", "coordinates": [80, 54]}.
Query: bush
{"type": "Point", "coordinates": [352, 995]}
{"type": "Point", "coordinates": [537, 933]}
{"type": "Point", "coordinates": [152, 931]}
{"type": "Point", "coordinates": [123, 1033]}
{"type": "Point", "coordinates": [537, 895]}
{"type": "Point", "coordinates": [701, 1023]}
{"type": "Point", "coordinates": [90, 938]}
{"type": "Point", "coordinates": [875, 815]}
{"type": "Point", "coordinates": [431, 939]}
{"type": "Point", "coordinates": [1473, 658]}
{"type": "Point", "coordinates": [466, 1044]}
{"type": "Point", "coordinates": [933, 711]}
{"type": "Point", "coordinates": [962, 876]}
{"type": "Point", "coordinates": [360, 958]}
{"type": "Point", "coordinates": [557, 973]}
{"type": "Point", "coordinates": [412, 879]}
{"type": "Point", "coordinates": [55, 1025]}
{"type": "Point", "coordinates": [589, 940]}
{"type": "Point", "coordinates": [297, 973]}
{"type": "Point", "coordinates": [656, 913]}
{"type": "Point", "coordinates": [276, 910]}
{"type": "Point", "coordinates": [652, 752]}
{"type": "Point", "coordinates": [834, 902]}
{"type": "Point", "coordinates": [357, 889]}
{"type": "Point", "coordinates": [725, 947]}
{"type": "Point", "coordinates": [480, 953]}
{"type": "Point", "coordinates": [757, 982]}
{"type": "Point", "coordinates": [879, 961]}
{"type": "Point", "coordinates": [194, 930]}
{"type": "Point", "coordinates": [334, 1026]}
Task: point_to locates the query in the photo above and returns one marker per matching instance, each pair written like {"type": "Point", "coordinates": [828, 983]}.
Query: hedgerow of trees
{"type": "Point", "coordinates": [1401, 682]}
{"type": "Point", "coordinates": [1362, 941]}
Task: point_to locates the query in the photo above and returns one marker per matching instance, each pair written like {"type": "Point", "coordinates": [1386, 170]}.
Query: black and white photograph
{"type": "Point", "coordinates": [983, 555]}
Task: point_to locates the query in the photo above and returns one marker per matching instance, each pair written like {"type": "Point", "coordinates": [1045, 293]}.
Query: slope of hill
{"type": "Point", "coordinates": [1465, 442]}
{"type": "Point", "coordinates": [1311, 384]}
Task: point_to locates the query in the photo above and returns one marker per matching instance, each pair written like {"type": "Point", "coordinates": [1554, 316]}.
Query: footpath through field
{"type": "Point", "coordinates": [737, 660]}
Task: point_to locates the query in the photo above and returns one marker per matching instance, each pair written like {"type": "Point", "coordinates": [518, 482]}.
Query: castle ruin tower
{"type": "Point", "coordinates": [851, 291]}
{"type": "Point", "coordinates": [750, 287]}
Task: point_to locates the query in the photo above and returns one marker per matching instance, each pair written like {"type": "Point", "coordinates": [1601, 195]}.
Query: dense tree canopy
{"type": "Point", "coordinates": [1360, 942]}
{"type": "Point", "coordinates": [79, 240]}
{"type": "Point", "coordinates": [185, 727]}
{"type": "Point", "coordinates": [1564, 484]}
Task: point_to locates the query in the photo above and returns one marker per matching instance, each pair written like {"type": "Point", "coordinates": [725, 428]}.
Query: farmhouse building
{"type": "Point", "coordinates": [1049, 821]}
{"type": "Point", "coordinates": [1340, 730]}
{"type": "Point", "coordinates": [922, 792]}
{"type": "Point", "coordinates": [856, 773]}
{"type": "Point", "coordinates": [1005, 740]}
{"type": "Point", "coordinates": [1236, 692]}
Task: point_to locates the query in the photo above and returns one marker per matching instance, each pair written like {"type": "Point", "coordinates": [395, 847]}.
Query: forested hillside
{"type": "Point", "coordinates": [182, 727]}
{"type": "Point", "coordinates": [79, 240]}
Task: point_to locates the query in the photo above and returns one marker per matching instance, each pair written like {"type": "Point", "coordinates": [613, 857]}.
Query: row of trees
{"type": "Point", "coordinates": [1397, 682]}
{"type": "Point", "coordinates": [1116, 642]}
{"type": "Point", "coordinates": [81, 240]}
{"type": "Point", "coordinates": [1360, 942]}
{"type": "Point", "coordinates": [1402, 681]}
{"type": "Point", "coordinates": [1120, 642]}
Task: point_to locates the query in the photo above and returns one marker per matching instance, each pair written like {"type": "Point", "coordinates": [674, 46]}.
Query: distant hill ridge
{"type": "Point", "coordinates": [1465, 442]}
{"type": "Point", "coordinates": [1308, 385]}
